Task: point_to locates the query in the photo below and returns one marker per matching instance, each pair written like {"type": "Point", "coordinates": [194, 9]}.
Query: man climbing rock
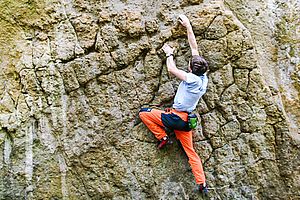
{"type": "Point", "coordinates": [192, 87]}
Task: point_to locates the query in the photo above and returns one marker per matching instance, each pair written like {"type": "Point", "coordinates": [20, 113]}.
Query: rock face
{"type": "Point", "coordinates": [75, 73]}
{"type": "Point", "coordinates": [276, 32]}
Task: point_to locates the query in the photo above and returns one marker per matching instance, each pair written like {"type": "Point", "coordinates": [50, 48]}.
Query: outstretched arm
{"type": "Point", "coordinates": [191, 36]}
{"type": "Point", "coordinates": [171, 64]}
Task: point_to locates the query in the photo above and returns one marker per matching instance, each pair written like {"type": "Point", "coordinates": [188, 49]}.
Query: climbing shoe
{"type": "Point", "coordinates": [203, 189]}
{"type": "Point", "coordinates": [162, 143]}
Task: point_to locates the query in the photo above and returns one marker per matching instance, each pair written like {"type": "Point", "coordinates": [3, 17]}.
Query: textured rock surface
{"type": "Point", "coordinates": [275, 27]}
{"type": "Point", "coordinates": [75, 73]}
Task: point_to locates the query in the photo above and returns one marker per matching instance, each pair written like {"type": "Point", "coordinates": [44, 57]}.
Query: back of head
{"type": "Point", "coordinates": [198, 65]}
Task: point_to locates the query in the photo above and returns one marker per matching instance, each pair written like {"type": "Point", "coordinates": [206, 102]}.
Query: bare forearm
{"type": "Point", "coordinates": [191, 38]}
{"type": "Point", "coordinates": [174, 70]}
{"type": "Point", "coordinates": [171, 64]}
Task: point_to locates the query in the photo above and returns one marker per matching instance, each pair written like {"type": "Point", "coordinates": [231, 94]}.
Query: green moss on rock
{"type": "Point", "coordinates": [16, 16]}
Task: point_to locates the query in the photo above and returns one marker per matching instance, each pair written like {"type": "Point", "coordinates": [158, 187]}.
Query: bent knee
{"type": "Point", "coordinates": [144, 111]}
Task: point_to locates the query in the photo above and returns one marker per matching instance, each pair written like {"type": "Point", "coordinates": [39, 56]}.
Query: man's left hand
{"type": "Point", "coordinates": [167, 49]}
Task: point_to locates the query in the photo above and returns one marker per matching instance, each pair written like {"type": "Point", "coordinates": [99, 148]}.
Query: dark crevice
{"type": "Point", "coordinates": [35, 69]}
{"type": "Point", "coordinates": [64, 61]}
{"type": "Point", "coordinates": [9, 134]}
{"type": "Point", "coordinates": [210, 23]}
{"type": "Point", "coordinates": [222, 93]}
{"type": "Point", "coordinates": [83, 85]}
{"type": "Point", "coordinates": [92, 49]}
{"type": "Point", "coordinates": [211, 154]}
{"type": "Point", "coordinates": [144, 141]}
{"type": "Point", "coordinates": [249, 79]}
{"type": "Point", "coordinates": [158, 86]}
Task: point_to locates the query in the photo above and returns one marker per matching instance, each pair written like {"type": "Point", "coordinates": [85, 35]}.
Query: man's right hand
{"type": "Point", "coordinates": [184, 20]}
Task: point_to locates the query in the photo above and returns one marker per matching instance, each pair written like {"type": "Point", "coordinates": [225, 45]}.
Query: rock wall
{"type": "Point", "coordinates": [75, 73]}
{"type": "Point", "coordinates": [275, 27]}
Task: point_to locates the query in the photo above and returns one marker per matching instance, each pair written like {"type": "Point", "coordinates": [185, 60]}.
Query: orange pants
{"type": "Point", "coordinates": [152, 119]}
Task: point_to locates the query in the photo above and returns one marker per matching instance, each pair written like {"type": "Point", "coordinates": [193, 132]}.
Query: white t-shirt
{"type": "Point", "coordinates": [189, 92]}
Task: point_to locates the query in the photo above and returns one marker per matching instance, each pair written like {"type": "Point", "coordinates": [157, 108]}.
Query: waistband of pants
{"type": "Point", "coordinates": [177, 111]}
{"type": "Point", "coordinates": [182, 114]}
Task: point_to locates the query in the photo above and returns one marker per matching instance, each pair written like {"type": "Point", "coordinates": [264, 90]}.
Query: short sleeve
{"type": "Point", "coordinates": [191, 78]}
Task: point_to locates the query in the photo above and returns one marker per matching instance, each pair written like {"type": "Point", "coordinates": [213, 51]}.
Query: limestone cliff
{"type": "Point", "coordinates": [74, 73]}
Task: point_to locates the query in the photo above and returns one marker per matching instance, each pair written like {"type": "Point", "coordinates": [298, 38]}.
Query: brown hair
{"type": "Point", "coordinates": [198, 65]}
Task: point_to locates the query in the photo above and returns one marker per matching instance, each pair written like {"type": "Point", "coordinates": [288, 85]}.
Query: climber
{"type": "Point", "coordinates": [192, 87]}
